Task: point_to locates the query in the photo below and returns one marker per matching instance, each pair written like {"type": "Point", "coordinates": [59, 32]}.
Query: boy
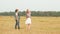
{"type": "Point", "coordinates": [17, 18]}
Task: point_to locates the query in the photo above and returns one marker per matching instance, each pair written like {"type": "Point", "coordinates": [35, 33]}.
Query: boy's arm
{"type": "Point", "coordinates": [16, 17]}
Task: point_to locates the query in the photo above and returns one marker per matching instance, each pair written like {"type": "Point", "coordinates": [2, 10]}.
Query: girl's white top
{"type": "Point", "coordinates": [29, 15]}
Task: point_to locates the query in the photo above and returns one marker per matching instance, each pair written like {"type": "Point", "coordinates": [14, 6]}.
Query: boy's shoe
{"type": "Point", "coordinates": [15, 27]}
{"type": "Point", "coordinates": [18, 27]}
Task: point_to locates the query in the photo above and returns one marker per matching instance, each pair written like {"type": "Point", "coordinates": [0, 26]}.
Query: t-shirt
{"type": "Point", "coordinates": [17, 14]}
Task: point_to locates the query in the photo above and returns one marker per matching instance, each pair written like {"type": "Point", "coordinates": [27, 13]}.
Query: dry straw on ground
{"type": "Point", "coordinates": [40, 25]}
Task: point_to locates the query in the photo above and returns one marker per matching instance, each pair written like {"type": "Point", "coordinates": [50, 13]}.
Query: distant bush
{"type": "Point", "coordinates": [33, 13]}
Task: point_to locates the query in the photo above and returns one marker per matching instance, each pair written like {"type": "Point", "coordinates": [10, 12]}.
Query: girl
{"type": "Point", "coordinates": [17, 19]}
{"type": "Point", "coordinates": [28, 19]}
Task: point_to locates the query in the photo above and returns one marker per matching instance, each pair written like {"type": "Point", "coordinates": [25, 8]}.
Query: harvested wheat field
{"type": "Point", "coordinates": [40, 25]}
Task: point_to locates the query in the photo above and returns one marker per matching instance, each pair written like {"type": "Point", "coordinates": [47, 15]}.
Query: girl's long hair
{"type": "Point", "coordinates": [27, 11]}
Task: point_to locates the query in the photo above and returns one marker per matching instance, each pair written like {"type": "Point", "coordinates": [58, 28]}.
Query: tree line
{"type": "Point", "coordinates": [33, 13]}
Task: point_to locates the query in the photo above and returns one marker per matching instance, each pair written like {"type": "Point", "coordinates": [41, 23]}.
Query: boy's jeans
{"type": "Point", "coordinates": [17, 24]}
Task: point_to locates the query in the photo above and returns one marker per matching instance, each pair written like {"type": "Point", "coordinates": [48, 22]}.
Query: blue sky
{"type": "Point", "coordinates": [41, 5]}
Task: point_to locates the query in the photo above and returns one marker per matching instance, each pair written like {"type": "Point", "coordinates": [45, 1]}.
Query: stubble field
{"type": "Point", "coordinates": [40, 25]}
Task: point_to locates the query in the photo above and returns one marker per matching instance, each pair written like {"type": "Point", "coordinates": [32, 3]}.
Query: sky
{"type": "Point", "coordinates": [33, 5]}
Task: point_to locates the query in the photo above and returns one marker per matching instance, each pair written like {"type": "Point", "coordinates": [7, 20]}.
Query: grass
{"type": "Point", "coordinates": [40, 25]}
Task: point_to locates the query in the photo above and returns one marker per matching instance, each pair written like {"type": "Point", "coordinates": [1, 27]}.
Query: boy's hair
{"type": "Point", "coordinates": [16, 10]}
